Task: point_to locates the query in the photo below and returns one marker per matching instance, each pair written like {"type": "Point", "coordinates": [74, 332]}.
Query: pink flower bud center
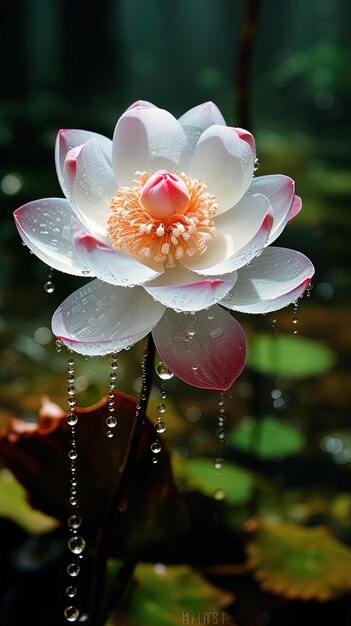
{"type": "Point", "coordinates": [165, 194]}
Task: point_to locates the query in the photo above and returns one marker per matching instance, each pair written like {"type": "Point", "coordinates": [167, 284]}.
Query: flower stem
{"type": "Point", "coordinates": [242, 74]}
{"type": "Point", "coordinates": [99, 605]}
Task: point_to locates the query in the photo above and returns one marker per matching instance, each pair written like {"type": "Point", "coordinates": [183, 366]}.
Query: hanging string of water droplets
{"type": "Point", "coordinates": [76, 543]}
{"type": "Point", "coordinates": [49, 286]}
{"type": "Point", "coordinates": [220, 431]}
{"type": "Point", "coordinates": [164, 374]}
{"type": "Point", "coordinates": [111, 420]}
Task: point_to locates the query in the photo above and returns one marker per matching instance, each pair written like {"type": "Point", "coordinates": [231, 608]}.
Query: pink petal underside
{"type": "Point", "coordinates": [296, 207]}
{"type": "Point", "coordinates": [211, 359]}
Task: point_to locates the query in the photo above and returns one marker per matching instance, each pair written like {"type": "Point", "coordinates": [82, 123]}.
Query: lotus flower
{"type": "Point", "coordinates": [169, 207]}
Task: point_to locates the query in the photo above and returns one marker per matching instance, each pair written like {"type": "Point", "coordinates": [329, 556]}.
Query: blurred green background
{"type": "Point", "coordinates": [70, 64]}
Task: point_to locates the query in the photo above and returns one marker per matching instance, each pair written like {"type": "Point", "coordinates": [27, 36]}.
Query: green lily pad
{"type": "Point", "coordinates": [298, 562]}
{"type": "Point", "coordinates": [15, 506]}
{"type": "Point", "coordinates": [231, 482]}
{"type": "Point", "coordinates": [266, 438]}
{"type": "Point", "coordinates": [288, 355]}
{"type": "Point", "coordinates": [170, 596]}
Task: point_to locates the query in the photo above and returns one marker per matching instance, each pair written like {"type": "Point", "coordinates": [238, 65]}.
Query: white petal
{"type": "Point", "coordinates": [92, 184]}
{"type": "Point", "coordinates": [198, 119]}
{"type": "Point", "coordinates": [147, 139]}
{"type": "Point", "coordinates": [211, 357]}
{"type": "Point", "coordinates": [279, 190]}
{"type": "Point", "coordinates": [224, 158]}
{"type": "Point", "coordinates": [68, 138]}
{"type": "Point", "coordinates": [271, 282]}
{"type": "Point", "coordinates": [100, 318]}
{"type": "Point", "coordinates": [107, 264]}
{"type": "Point", "coordinates": [182, 290]}
{"type": "Point", "coordinates": [241, 233]}
{"type": "Point", "coordinates": [45, 226]}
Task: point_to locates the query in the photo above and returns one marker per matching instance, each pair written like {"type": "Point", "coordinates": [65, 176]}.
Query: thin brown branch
{"type": "Point", "coordinates": [243, 66]}
{"type": "Point", "coordinates": [98, 605]}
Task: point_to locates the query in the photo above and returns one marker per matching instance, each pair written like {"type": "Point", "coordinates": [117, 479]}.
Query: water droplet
{"type": "Point", "coordinates": [71, 613]}
{"type": "Point", "coordinates": [70, 378]}
{"type": "Point", "coordinates": [76, 545]}
{"type": "Point", "coordinates": [59, 345]}
{"type": "Point", "coordinates": [210, 316]}
{"type": "Point", "coordinates": [70, 362]}
{"type": "Point", "coordinates": [71, 390]}
{"type": "Point", "coordinates": [109, 434]}
{"type": "Point", "coordinates": [163, 394]}
{"type": "Point", "coordinates": [73, 454]}
{"type": "Point", "coordinates": [71, 401]}
{"type": "Point", "coordinates": [194, 368]}
{"type": "Point", "coordinates": [160, 427]}
{"type": "Point", "coordinates": [295, 319]}
{"type": "Point", "coordinates": [73, 501]}
{"type": "Point", "coordinates": [111, 421]}
{"type": "Point", "coordinates": [221, 433]}
{"type": "Point", "coordinates": [73, 569]}
{"type": "Point", "coordinates": [49, 287]}
{"type": "Point", "coordinates": [155, 447]}
{"type": "Point", "coordinates": [219, 494]}
{"type": "Point", "coordinates": [218, 463]}
{"type": "Point", "coordinates": [71, 591]}
{"type": "Point", "coordinates": [163, 372]}
{"type": "Point", "coordinates": [71, 419]}
{"type": "Point", "coordinates": [74, 521]}
{"type": "Point", "coordinates": [161, 408]}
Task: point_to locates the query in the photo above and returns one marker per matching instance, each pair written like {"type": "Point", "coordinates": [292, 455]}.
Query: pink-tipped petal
{"type": "Point", "coordinates": [165, 194]}
{"type": "Point", "coordinates": [212, 358]}
{"type": "Point", "coordinates": [45, 227]}
{"type": "Point", "coordinates": [68, 138]}
{"type": "Point", "coordinates": [271, 282]}
{"type": "Point", "coordinates": [141, 104]}
{"type": "Point", "coordinates": [295, 207]}
{"type": "Point", "coordinates": [92, 185]}
{"type": "Point", "coordinates": [241, 233]}
{"type": "Point", "coordinates": [279, 190]}
{"type": "Point", "coordinates": [147, 139]}
{"type": "Point", "coordinates": [225, 161]}
{"type": "Point", "coordinates": [182, 290]}
{"type": "Point", "coordinates": [99, 318]}
{"type": "Point", "coordinates": [198, 119]}
{"type": "Point", "coordinates": [107, 264]}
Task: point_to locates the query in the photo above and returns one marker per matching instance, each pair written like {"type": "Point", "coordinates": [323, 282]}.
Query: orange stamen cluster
{"type": "Point", "coordinates": [131, 226]}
